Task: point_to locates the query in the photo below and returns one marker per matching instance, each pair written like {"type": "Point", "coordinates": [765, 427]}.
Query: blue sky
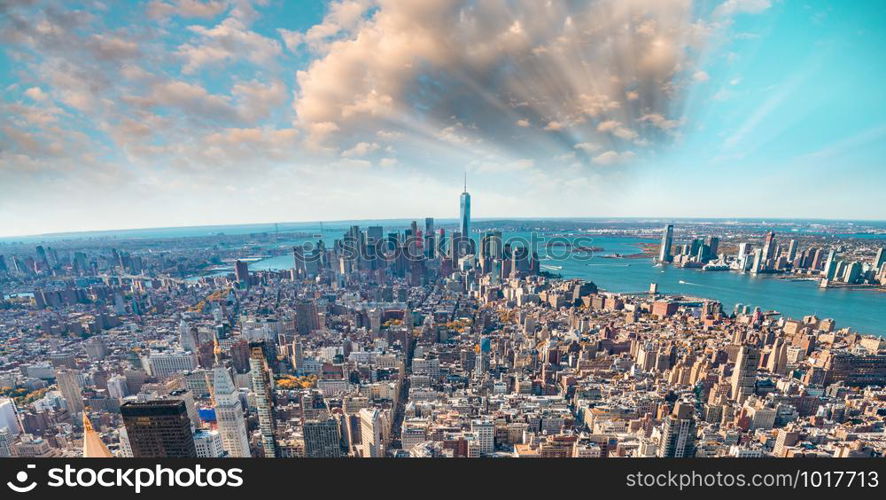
{"type": "Point", "coordinates": [188, 112]}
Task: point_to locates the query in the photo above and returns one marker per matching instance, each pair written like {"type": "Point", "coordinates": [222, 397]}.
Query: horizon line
{"type": "Point", "coordinates": [502, 218]}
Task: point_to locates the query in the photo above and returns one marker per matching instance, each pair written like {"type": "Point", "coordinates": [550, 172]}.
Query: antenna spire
{"type": "Point", "coordinates": [466, 181]}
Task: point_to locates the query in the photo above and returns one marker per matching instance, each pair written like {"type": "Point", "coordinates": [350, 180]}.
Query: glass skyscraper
{"type": "Point", "coordinates": [465, 205]}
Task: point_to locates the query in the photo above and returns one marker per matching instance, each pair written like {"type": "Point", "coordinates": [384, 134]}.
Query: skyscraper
{"type": "Point", "coordinates": [241, 272]}
{"type": "Point", "coordinates": [158, 429]}
{"type": "Point", "coordinates": [664, 253]}
{"type": "Point", "coordinates": [261, 385]}
{"type": "Point", "coordinates": [229, 414]}
{"type": "Point", "coordinates": [69, 385]}
{"type": "Point", "coordinates": [430, 239]}
{"type": "Point", "coordinates": [465, 217]}
{"type": "Point", "coordinates": [880, 258]}
{"type": "Point", "coordinates": [484, 431]}
{"type": "Point", "coordinates": [372, 436]}
{"type": "Point", "coordinates": [678, 433]}
{"type": "Point", "coordinates": [744, 375]}
{"type": "Point", "coordinates": [768, 249]}
{"type": "Point", "coordinates": [830, 265]}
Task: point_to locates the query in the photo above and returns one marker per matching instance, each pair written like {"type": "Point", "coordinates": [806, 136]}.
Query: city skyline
{"type": "Point", "coordinates": [178, 113]}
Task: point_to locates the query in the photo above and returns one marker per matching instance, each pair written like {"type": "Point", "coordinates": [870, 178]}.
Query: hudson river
{"type": "Point", "coordinates": [863, 310]}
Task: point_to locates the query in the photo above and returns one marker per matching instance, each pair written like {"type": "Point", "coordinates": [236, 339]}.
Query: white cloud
{"type": "Point", "coordinates": [37, 94]}
{"type": "Point", "coordinates": [613, 157]}
{"type": "Point", "coordinates": [361, 149]}
{"type": "Point", "coordinates": [732, 7]}
{"type": "Point", "coordinates": [227, 42]}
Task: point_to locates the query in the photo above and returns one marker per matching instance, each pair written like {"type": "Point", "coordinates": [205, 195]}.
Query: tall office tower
{"type": "Point", "coordinates": [374, 234]}
{"type": "Point", "coordinates": [261, 386]}
{"type": "Point", "coordinates": [306, 317]}
{"type": "Point", "coordinates": [93, 446]}
{"type": "Point", "coordinates": [491, 245]}
{"type": "Point", "coordinates": [158, 429]}
{"type": "Point", "coordinates": [880, 258]}
{"type": "Point", "coordinates": [768, 248]}
{"type": "Point", "coordinates": [69, 385]}
{"type": "Point", "coordinates": [241, 273]}
{"type": "Point", "coordinates": [430, 239]}
{"type": "Point", "coordinates": [712, 247]}
{"type": "Point", "coordinates": [743, 249]}
{"type": "Point", "coordinates": [678, 433]}
{"type": "Point", "coordinates": [778, 357]}
{"type": "Point", "coordinates": [322, 438]}
{"type": "Point", "coordinates": [792, 250]}
{"type": "Point", "coordinates": [830, 265]}
{"type": "Point", "coordinates": [372, 434]}
{"type": "Point", "coordinates": [187, 338]}
{"type": "Point", "coordinates": [229, 414]}
{"type": "Point", "coordinates": [757, 265]}
{"type": "Point", "coordinates": [744, 375]}
{"type": "Point", "coordinates": [298, 356]}
{"type": "Point", "coordinates": [465, 217]}
{"type": "Point", "coordinates": [455, 245]}
{"type": "Point", "coordinates": [667, 239]}
{"type": "Point", "coordinates": [484, 432]}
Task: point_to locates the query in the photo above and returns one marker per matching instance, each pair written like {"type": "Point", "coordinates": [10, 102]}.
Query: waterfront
{"type": "Point", "coordinates": [862, 310]}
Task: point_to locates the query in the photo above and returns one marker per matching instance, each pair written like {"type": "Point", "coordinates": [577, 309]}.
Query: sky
{"type": "Point", "coordinates": [119, 114]}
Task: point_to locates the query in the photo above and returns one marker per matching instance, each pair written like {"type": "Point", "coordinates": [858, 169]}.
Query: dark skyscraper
{"type": "Point", "coordinates": [159, 429]}
{"type": "Point", "coordinates": [664, 253]}
{"type": "Point", "coordinates": [241, 272]}
{"type": "Point", "coordinates": [465, 213]}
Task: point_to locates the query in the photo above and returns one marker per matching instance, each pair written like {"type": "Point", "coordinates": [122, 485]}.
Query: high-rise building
{"type": "Point", "coordinates": [830, 265]}
{"type": "Point", "coordinates": [69, 385]}
{"type": "Point", "coordinates": [306, 317]}
{"type": "Point", "coordinates": [322, 438]}
{"type": "Point", "coordinates": [298, 356]}
{"type": "Point", "coordinates": [465, 212]}
{"type": "Point", "coordinates": [744, 375]}
{"type": "Point", "coordinates": [768, 249]}
{"type": "Point", "coordinates": [678, 433]}
{"type": "Point", "coordinates": [880, 258]}
{"type": "Point", "coordinates": [187, 337]}
{"type": "Point", "coordinates": [430, 245]}
{"type": "Point", "coordinates": [792, 250]}
{"type": "Point", "coordinates": [372, 432]}
{"type": "Point", "coordinates": [229, 414]}
{"type": "Point", "coordinates": [159, 428]}
{"type": "Point", "coordinates": [261, 386]}
{"type": "Point", "coordinates": [667, 239]}
{"type": "Point", "coordinates": [241, 273]}
{"type": "Point", "coordinates": [484, 432]}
